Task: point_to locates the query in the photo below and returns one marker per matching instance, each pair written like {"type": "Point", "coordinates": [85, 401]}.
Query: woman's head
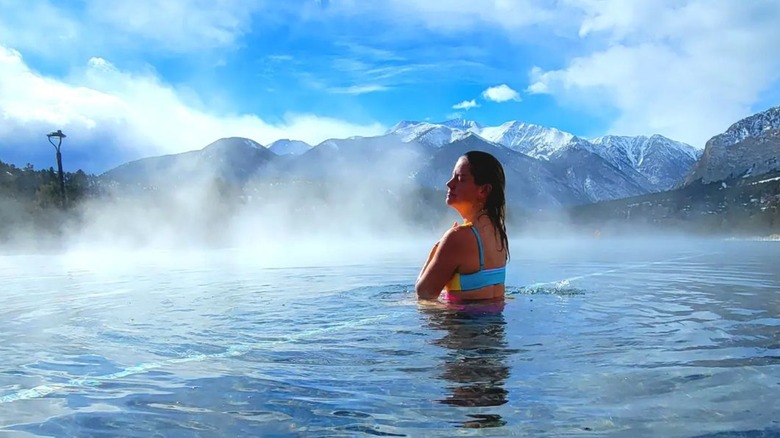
{"type": "Point", "coordinates": [488, 172]}
{"type": "Point", "coordinates": [478, 182]}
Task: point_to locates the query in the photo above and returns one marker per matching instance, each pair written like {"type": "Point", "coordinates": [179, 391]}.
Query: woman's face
{"type": "Point", "coordinates": [462, 191]}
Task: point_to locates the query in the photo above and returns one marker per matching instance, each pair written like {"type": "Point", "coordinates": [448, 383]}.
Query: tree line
{"type": "Point", "coordinates": [40, 188]}
{"type": "Point", "coordinates": [31, 202]}
{"type": "Point", "coordinates": [743, 207]}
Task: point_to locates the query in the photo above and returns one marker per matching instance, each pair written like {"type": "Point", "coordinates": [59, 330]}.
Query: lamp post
{"type": "Point", "coordinates": [59, 136]}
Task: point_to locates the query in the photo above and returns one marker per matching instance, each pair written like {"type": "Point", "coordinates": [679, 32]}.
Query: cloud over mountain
{"type": "Point", "coordinates": [500, 93]}
{"type": "Point", "coordinates": [135, 114]}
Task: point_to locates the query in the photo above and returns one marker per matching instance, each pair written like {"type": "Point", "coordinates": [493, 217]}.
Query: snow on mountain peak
{"type": "Point", "coordinates": [662, 160]}
{"type": "Point", "coordinates": [429, 133]}
{"type": "Point", "coordinates": [463, 125]}
{"type": "Point", "coordinates": [748, 147]}
{"type": "Point", "coordinates": [402, 125]}
{"type": "Point", "coordinates": [534, 140]}
{"type": "Point", "coordinates": [752, 126]}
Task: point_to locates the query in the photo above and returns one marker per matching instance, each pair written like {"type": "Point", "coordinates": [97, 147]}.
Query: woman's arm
{"type": "Point", "coordinates": [442, 262]}
{"type": "Point", "coordinates": [427, 262]}
{"type": "Point", "coordinates": [430, 255]}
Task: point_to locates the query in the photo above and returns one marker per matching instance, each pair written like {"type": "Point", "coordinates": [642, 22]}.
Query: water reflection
{"type": "Point", "coordinates": [475, 367]}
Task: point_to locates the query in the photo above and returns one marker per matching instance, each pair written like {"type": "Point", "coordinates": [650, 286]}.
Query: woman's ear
{"type": "Point", "coordinates": [486, 189]}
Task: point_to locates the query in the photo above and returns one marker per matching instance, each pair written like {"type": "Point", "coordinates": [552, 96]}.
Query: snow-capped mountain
{"type": "Point", "coordinates": [427, 133]}
{"type": "Point", "coordinates": [749, 147]}
{"type": "Point", "coordinates": [662, 161]}
{"type": "Point", "coordinates": [534, 140]}
{"type": "Point", "coordinates": [545, 167]}
{"type": "Point", "coordinates": [594, 178]}
{"type": "Point", "coordinates": [463, 125]}
{"type": "Point", "coordinates": [753, 126]}
{"type": "Point", "coordinates": [288, 147]}
{"type": "Point", "coordinates": [655, 162]}
{"type": "Point", "coordinates": [531, 183]}
{"type": "Point", "coordinates": [383, 162]}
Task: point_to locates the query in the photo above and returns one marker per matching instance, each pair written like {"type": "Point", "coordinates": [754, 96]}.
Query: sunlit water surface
{"type": "Point", "coordinates": [597, 338]}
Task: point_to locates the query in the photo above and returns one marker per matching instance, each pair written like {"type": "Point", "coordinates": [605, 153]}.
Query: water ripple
{"type": "Point", "coordinates": [594, 340]}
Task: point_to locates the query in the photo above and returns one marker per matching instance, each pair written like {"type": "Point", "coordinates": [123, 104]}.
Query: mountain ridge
{"type": "Point", "coordinates": [748, 147]}
{"type": "Point", "coordinates": [669, 163]}
{"type": "Point", "coordinates": [548, 167]}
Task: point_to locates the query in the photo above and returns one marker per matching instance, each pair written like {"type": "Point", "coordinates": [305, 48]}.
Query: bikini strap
{"type": "Point", "coordinates": [479, 244]}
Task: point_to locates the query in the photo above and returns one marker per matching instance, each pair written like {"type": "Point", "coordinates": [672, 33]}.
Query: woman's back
{"type": "Point", "coordinates": [493, 260]}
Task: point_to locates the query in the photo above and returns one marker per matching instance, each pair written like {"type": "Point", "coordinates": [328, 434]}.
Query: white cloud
{"type": "Point", "coordinates": [500, 93]}
{"type": "Point", "coordinates": [466, 105]}
{"type": "Point", "coordinates": [39, 26]}
{"type": "Point", "coordinates": [100, 26]}
{"type": "Point", "coordinates": [685, 70]}
{"type": "Point", "coordinates": [142, 115]}
{"type": "Point", "coordinates": [359, 89]}
{"type": "Point", "coordinates": [182, 25]}
{"type": "Point", "coordinates": [682, 68]}
{"type": "Point", "coordinates": [620, 18]}
{"type": "Point", "coordinates": [453, 15]}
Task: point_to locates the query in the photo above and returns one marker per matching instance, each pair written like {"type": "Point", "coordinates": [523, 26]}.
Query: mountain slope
{"type": "Point", "coordinates": [592, 177]}
{"type": "Point", "coordinates": [654, 162]}
{"type": "Point", "coordinates": [662, 161]}
{"type": "Point", "coordinates": [534, 140]}
{"type": "Point", "coordinates": [427, 133]}
{"type": "Point", "coordinates": [749, 147]}
{"type": "Point", "coordinates": [573, 175]}
{"type": "Point", "coordinates": [231, 159]}
{"type": "Point", "coordinates": [288, 147]}
{"type": "Point", "coordinates": [359, 159]}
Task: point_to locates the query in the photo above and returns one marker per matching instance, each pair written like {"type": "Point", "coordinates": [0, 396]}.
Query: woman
{"type": "Point", "coordinates": [469, 262]}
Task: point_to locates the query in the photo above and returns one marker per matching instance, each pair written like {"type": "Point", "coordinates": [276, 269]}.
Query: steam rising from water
{"type": "Point", "coordinates": [324, 210]}
{"type": "Point", "coordinates": [345, 200]}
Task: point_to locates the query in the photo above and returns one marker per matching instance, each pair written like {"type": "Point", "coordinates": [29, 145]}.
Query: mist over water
{"type": "Point", "coordinates": [303, 217]}
{"type": "Point", "coordinates": [360, 192]}
{"type": "Point", "coordinates": [207, 200]}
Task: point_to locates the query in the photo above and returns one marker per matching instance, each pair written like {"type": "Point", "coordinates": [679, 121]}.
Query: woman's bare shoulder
{"type": "Point", "coordinates": [456, 236]}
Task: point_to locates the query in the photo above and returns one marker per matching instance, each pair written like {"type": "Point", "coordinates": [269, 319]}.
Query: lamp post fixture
{"type": "Point", "coordinates": [59, 136]}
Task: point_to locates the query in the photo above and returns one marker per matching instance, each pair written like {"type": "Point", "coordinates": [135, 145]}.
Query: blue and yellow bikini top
{"type": "Point", "coordinates": [477, 280]}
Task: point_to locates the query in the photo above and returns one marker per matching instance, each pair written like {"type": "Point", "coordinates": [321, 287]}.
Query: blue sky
{"type": "Point", "coordinates": [126, 79]}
